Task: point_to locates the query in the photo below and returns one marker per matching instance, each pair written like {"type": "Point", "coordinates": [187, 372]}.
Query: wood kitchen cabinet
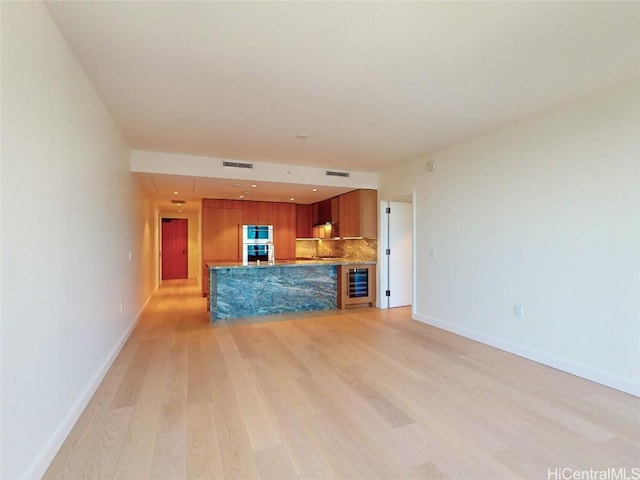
{"type": "Point", "coordinates": [303, 221]}
{"type": "Point", "coordinates": [250, 213]}
{"type": "Point", "coordinates": [257, 213]}
{"type": "Point", "coordinates": [335, 210]}
{"type": "Point", "coordinates": [359, 214]}
{"type": "Point", "coordinates": [221, 203]}
{"type": "Point", "coordinates": [265, 213]}
{"type": "Point", "coordinates": [327, 211]}
{"type": "Point", "coordinates": [324, 212]}
{"type": "Point", "coordinates": [221, 227]}
{"type": "Point", "coordinates": [222, 222]}
{"type": "Point", "coordinates": [283, 218]}
{"type": "Point", "coordinates": [321, 212]}
{"type": "Point", "coordinates": [284, 230]}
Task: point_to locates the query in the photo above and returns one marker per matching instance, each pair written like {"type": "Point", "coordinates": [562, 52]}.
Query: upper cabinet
{"type": "Point", "coordinates": [335, 210]}
{"type": "Point", "coordinates": [257, 213]}
{"type": "Point", "coordinates": [303, 221]}
{"type": "Point", "coordinates": [359, 214]}
{"type": "Point", "coordinates": [221, 203]}
{"type": "Point", "coordinates": [265, 213]}
{"type": "Point", "coordinates": [321, 212]}
{"type": "Point", "coordinates": [326, 211]}
{"type": "Point", "coordinates": [353, 214]}
{"type": "Point", "coordinates": [250, 213]}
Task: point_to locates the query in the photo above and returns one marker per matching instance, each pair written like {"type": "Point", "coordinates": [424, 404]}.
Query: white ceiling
{"type": "Point", "coordinates": [372, 84]}
{"type": "Point", "coordinates": [191, 189]}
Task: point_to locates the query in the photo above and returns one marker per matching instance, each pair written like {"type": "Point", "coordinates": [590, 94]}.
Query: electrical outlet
{"type": "Point", "coordinates": [518, 310]}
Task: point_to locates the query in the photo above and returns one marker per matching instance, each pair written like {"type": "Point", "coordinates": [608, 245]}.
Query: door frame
{"type": "Point", "coordinates": [383, 271]}
{"type": "Point", "coordinates": [186, 255]}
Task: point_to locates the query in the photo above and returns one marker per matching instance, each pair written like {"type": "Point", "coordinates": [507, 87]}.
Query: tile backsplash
{"type": "Point", "coordinates": [365, 249]}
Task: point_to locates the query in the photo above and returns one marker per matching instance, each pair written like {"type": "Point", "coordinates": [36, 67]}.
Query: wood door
{"type": "Point", "coordinates": [174, 248]}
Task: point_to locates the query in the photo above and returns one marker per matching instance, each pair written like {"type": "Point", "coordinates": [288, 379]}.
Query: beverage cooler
{"type": "Point", "coordinates": [356, 286]}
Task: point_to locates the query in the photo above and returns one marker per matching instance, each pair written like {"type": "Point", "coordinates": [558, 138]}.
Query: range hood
{"type": "Point", "coordinates": [325, 230]}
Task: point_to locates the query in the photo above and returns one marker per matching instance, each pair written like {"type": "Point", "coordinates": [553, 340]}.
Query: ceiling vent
{"type": "Point", "coordinates": [236, 164]}
{"type": "Point", "coordinates": [178, 202]}
{"type": "Point", "coordinates": [337, 174]}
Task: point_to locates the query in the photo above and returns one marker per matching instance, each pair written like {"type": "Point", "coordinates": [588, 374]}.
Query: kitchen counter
{"type": "Point", "coordinates": [289, 263]}
{"type": "Point", "coordinates": [237, 290]}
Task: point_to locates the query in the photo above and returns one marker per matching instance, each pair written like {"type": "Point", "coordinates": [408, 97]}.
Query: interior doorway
{"type": "Point", "coordinates": [175, 241]}
{"type": "Point", "coordinates": [399, 252]}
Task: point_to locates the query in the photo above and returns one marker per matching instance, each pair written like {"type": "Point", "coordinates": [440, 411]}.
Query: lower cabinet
{"type": "Point", "coordinates": [356, 286]}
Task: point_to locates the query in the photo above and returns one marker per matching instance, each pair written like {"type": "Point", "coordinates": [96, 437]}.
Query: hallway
{"type": "Point", "coordinates": [358, 394]}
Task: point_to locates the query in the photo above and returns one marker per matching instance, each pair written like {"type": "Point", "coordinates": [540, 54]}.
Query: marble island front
{"type": "Point", "coordinates": [237, 290]}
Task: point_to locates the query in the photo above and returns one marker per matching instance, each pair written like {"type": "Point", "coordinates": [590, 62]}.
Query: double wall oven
{"type": "Point", "coordinates": [257, 244]}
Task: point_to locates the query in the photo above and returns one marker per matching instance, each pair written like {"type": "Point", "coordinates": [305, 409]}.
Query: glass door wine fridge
{"type": "Point", "coordinates": [357, 286]}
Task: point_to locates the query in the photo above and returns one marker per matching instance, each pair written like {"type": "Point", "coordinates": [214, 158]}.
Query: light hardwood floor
{"type": "Point", "coordinates": [359, 394]}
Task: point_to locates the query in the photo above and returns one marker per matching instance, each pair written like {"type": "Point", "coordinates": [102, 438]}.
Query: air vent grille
{"type": "Point", "coordinates": [337, 174]}
{"type": "Point", "coordinates": [236, 164]}
{"type": "Point", "coordinates": [178, 202]}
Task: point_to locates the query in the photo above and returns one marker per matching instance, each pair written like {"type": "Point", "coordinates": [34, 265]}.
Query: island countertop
{"type": "Point", "coordinates": [290, 263]}
{"type": "Point", "coordinates": [238, 290]}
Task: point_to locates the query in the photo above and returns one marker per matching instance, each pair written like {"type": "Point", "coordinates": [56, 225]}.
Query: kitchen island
{"type": "Point", "coordinates": [237, 290]}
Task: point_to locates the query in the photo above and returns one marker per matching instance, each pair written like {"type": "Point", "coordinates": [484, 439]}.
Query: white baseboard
{"type": "Point", "coordinates": [565, 365]}
{"type": "Point", "coordinates": [48, 453]}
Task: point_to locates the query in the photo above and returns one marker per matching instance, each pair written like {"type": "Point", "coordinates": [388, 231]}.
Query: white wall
{"type": "Point", "coordinates": [145, 261]}
{"type": "Point", "coordinates": [543, 213]}
{"type": "Point", "coordinates": [71, 213]}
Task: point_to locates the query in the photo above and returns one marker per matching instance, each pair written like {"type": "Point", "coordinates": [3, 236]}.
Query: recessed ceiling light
{"type": "Point", "coordinates": [179, 211]}
{"type": "Point", "coordinates": [302, 136]}
{"type": "Point", "coordinates": [241, 196]}
{"type": "Point", "coordinates": [292, 199]}
{"type": "Point", "coordinates": [176, 193]}
{"type": "Point", "coordinates": [254, 185]}
{"type": "Point", "coordinates": [315, 189]}
{"type": "Point", "coordinates": [236, 184]}
{"type": "Point", "coordinates": [247, 193]}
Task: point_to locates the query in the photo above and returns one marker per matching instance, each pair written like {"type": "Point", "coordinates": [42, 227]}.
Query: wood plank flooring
{"type": "Point", "coordinates": [358, 394]}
